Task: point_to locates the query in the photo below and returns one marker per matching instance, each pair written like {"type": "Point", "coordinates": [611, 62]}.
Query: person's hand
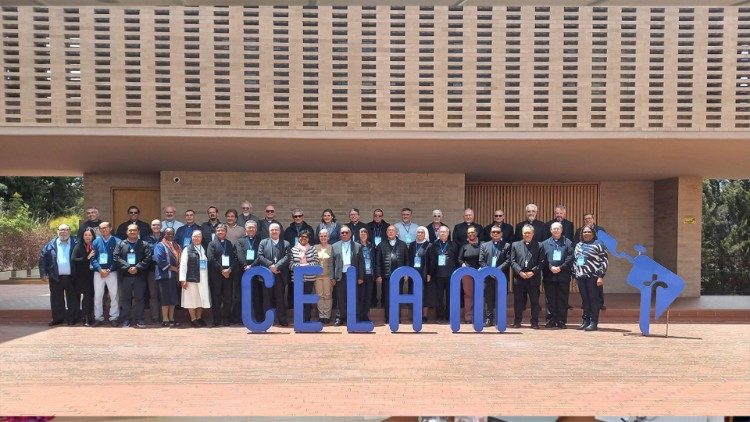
{"type": "Point", "coordinates": [103, 272]}
{"type": "Point", "coordinates": [555, 270]}
{"type": "Point", "coordinates": [429, 277]}
{"type": "Point", "coordinates": [132, 270]}
{"type": "Point", "coordinates": [226, 272]}
{"type": "Point", "coordinates": [599, 281]}
{"type": "Point", "coordinates": [184, 285]}
{"type": "Point", "coordinates": [91, 254]}
{"type": "Point", "coordinates": [379, 279]}
{"type": "Point", "coordinates": [360, 281]}
{"type": "Point", "coordinates": [273, 269]}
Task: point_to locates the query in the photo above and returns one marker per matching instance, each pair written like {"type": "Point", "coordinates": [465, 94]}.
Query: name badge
{"type": "Point", "coordinates": [213, 236]}
{"type": "Point", "coordinates": [377, 240]}
{"type": "Point", "coordinates": [417, 262]}
{"type": "Point", "coordinates": [556, 255]}
{"type": "Point", "coordinates": [202, 264]}
{"type": "Point", "coordinates": [225, 260]}
{"type": "Point", "coordinates": [185, 242]}
{"type": "Point", "coordinates": [131, 258]}
{"type": "Point", "coordinates": [368, 266]}
{"type": "Point", "coordinates": [103, 258]}
{"type": "Point", "coordinates": [441, 260]}
{"type": "Point", "coordinates": [580, 261]}
{"type": "Point", "coordinates": [250, 254]}
{"type": "Point", "coordinates": [407, 238]}
{"type": "Point", "coordinates": [494, 261]}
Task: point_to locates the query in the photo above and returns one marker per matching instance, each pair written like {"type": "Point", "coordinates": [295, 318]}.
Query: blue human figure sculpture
{"type": "Point", "coordinates": [647, 275]}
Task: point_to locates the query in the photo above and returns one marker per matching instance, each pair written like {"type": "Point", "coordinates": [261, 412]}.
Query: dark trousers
{"type": "Point", "coordinates": [444, 296]}
{"type": "Point", "coordinates": [592, 299]}
{"type": "Point", "coordinates": [221, 297]}
{"type": "Point", "coordinates": [364, 293]}
{"type": "Point", "coordinates": [556, 291]}
{"type": "Point", "coordinates": [490, 293]}
{"type": "Point", "coordinates": [237, 300]}
{"type": "Point", "coordinates": [132, 287]}
{"type": "Point", "coordinates": [601, 292]}
{"type": "Point", "coordinates": [60, 292]}
{"type": "Point", "coordinates": [290, 294]}
{"type": "Point", "coordinates": [84, 285]}
{"type": "Point", "coordinates": [275, 297]}
{"type": "Point", "coordinates": [339, 292]}
{"type": "Point", "coordinates": [521, 291]}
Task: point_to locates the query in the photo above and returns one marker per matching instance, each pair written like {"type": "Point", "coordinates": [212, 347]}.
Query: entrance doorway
{"type": "Point", "coordinates": [147, 200]}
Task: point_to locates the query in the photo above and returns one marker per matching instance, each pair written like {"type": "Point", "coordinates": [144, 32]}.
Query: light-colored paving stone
{"type": "Point", "coordinates": [703, 369]}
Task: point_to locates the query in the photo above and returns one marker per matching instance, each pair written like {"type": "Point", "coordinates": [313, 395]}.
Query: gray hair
{"type": "Point", "coordinates": [527, 226]}
{"type": "Point", "coordinates": [274, 224]}
{"type": "Point", "coordinates": [249, 223]}
{"type": "Point", "coordinates": [529, 206]}
{"type": "Point", "coordinates": [555, 225]}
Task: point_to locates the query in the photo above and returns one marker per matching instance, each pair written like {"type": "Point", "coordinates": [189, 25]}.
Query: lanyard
{"type": "Point", "coordinates": [443, 247]}
{"type": "Point", "coordinates": [495, 248]}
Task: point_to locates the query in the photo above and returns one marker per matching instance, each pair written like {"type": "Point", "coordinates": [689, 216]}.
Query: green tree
{"type": "Point", "coordinates": [47, 197]}
{"type": "Point", "coordinates": [725, 260]}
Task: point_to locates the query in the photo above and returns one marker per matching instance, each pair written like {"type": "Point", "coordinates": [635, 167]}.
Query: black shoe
{"type": "Point", "coordinates": [535, 326]}
{"type": "Point", "coordinates": [55, 322]}
{"type": "Point", "coordinates": [216, 323]}
{"type": "Point", "coordinates": [125, 324]}
{"type": "Point", "coordinates": [201, 322]}
{"type": "Point", "coordinates": [584, 324]}
{"type": "Point", "coordinates": [97, 323]}
{"type": "Point", "coordinates": [489, 321]}
{"type": "Point", "coordinates": [195, 323]}
{"type": "Point", "coordinates": [165, 324]}
{"type": "Point", "coordinates": [70, 323]}
{"type": "Point", "coordinates": [114, 323]}
{"type": "Point", "coordinates": [550, 324]}
{"type": "Point", "coordinates": [562, 325]}
{"type": "Point", "coordinates": [141, 324]}
{"type": "Point", "coordinates": [87, 323]}
{"type": "Point", "coordinates": [603, 307]}
{"type": "Point", "coordinates": [591, 327]}
{"type": "Point", "coordinates": [516, 325]}
{"type": "Point", "coordinates": [173, 324]}
{"type": "Point", "coordinates": [339, 322]}
{"type": "Point", "coordinates": [284, 324]}
{"type": "Point", "coordinates": [227, 324]}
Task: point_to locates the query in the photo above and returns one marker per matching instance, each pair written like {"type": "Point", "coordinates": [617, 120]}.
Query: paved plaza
{"type": "Point", "coordinates": [698, 369]}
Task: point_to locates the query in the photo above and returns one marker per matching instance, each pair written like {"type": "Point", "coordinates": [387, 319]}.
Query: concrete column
{"type": "Point", "coordinates": [677, 229]}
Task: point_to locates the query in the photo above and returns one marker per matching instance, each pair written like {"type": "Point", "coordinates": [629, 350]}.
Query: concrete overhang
{"type": "Point", "coordinates": [482, 156]}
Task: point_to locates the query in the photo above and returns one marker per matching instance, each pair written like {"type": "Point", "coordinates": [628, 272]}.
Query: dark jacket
{"type": "Point", "coordinates": [361, 266]}
{"type": "Point", "coordinates": [336, 262]}
{"type": "Point", "coordinates": [377, 230]}
{"type": "Point", "coordinates": [209, 230]}
{"type": "Point", "coordinates": [433, 235]}
{"type": "Point", "coordinates": [451, 259]}
{"type": "Point", "coordinates": [567, 226]}
{"type": "Point", "coordinates": [489, 250]}
{"type": "Point", "coordinates": [540, 230]}
{"type": "Point", "coordinates": [459, 232]}
{"type": "Point", "coordinates": [242, 246]}
{"type": "Point", "coordinates": [506, 228]}
{"type": "Point", "coordinates": [270, 254]}
{"type": "Point", "coordinates": [143, 229]}
{"type": "Point", "coordinates": [355, 229]}
{"type": "Point", "coordinates": [527, 258]}
{"type": "Point", "coordinates": [48, 259]}
{"type": "Point", "coordinates": [142, 257]}
{"type": "Point", "coordinates": [193, 264]}
{"type": "Point", "coordinates": [291, 233]}
{"type": "Point", "coordinates": [82, 269]}
{"type": "Point", "coordinates": [184, 234]}
{"type": "Point", "coordinates": [214, 255]}
{"type": "Point", "coordinates": [263, 226]}
{"type": "Point", "coordinates": [388, 257]}
{"type": "Point", "coordinates": [565, 250]}
{"type": "Point", "coordinates": [424, 254]}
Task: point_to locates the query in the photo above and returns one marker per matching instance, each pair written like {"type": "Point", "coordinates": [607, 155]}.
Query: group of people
{"type": "Point", "coordinates": [200, 266]}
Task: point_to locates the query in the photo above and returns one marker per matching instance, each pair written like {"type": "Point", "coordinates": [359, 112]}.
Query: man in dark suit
{"type": "Point", "coordinates": [209, 227]}
{"type": "Point", "coordinates": [247, 254]}
{"type": "Point", "coordinates": [494, 253]}
{"type": "Point", "coordinates": [588, 220]}
{"type": "Point", "coordinates": [343, 256]}
{"type": "Point", "coordinates": [274, 254]}
{"type": "Point", "coordinates": [527, 260]}
{"type": "Point", "coordinates": [223, 269]}
{"type": "Point", "coordinates": [354, 223]}
{"type": "Point", "coordinates": [558, 251]}
{"type": "Point", "coordinates": [134, 213]}
{"type": "Point", "coordinates": [133, 258]}
{"type": "Point", "coordinates": [460, 231]}
{"type": "Point", "coordinates": [568, 231]}
{"type": "Point", "coordinates": [539, 227]}
{"type": "Point", "coordinates": [291, 234]}
{"type": "Point", "coordinates": [498, 220]}
{"type": "Point", "coordinates": [265, 223]}
{"type": "Point", "coordinates": [389, 255]}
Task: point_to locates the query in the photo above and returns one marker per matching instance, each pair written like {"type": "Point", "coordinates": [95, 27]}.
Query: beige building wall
{"type": "Point", "coordinates": [314, 192]}
{"type": "Point", "coordinates": [97, 189]}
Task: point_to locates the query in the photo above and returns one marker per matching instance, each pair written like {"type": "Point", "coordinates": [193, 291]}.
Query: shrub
{"type": "Point", "coordinates": [71, 220]}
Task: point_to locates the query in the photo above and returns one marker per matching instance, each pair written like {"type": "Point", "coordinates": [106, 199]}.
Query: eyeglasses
{"type": "Point", "coordinates": [495, 232]}
{"type": "Point", "coordinates": [270, 211]}
{"type": "Point", "coordinates": [437, 216]}
{"type": "Point", "coordinates": [298, 216]}
{"type": "Point", "coordinates": [134, 212]}
{"type": "Point", "coordinates": [498, 215]}
{"type": "Point", "coordinates": [346, 232]}
{"type": "Point", "coordinates": [245, 208]}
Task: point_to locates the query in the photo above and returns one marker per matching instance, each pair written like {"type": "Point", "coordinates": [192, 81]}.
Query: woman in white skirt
{"type": "Point", "coordinates": [196, 294]}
